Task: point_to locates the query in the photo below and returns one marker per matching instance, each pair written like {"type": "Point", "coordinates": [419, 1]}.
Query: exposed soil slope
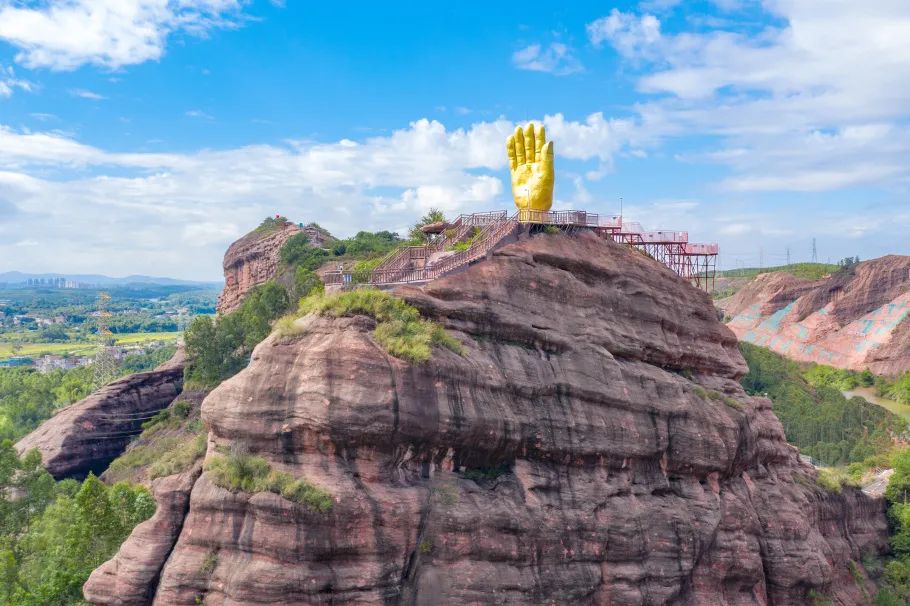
{"type": "Point", "coordinates": [857, 318]}
{"type": "Point", "coordinates": [592, 445]}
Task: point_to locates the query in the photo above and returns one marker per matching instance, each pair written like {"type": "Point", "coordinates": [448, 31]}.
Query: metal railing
{"type": "Point", "coordinates": [580, 218]}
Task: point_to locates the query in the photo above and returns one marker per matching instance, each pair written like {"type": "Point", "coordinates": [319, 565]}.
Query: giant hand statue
{"type": "Point", "coordinates": [531, 164]}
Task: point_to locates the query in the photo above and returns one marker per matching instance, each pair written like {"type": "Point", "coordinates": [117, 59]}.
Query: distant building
{"type": "Point", "coordinates": [48, 363]}
{"type": "Point", "coordinates": [17, 362]}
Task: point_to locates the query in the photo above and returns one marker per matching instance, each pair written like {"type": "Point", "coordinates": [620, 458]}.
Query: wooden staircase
{"type": "Point", "coordinates": [416, 264]}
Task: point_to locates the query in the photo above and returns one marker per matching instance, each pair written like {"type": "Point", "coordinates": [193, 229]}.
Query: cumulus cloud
{"type": "Point", "coordinates": [123, 204]}
{"type": "Point", "coordinates": [109, 33]}
{"type": "Point", "coordinates": [555, 58]}
{"type": "Point", "coordinates": [816, 103]}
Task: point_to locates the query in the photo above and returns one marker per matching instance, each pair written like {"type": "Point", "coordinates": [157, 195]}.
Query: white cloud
{"type": "Point", "coordinates": [817, 103]}
{"type": "Point", "coordinates": [109, 33]}
{"type": "Point", "coordinates": [197, 113]}
{"type": "Point", "coordinates": [86, 94]}
{"type": "Point", "coordinates": [556, 58]}
{"type": "Point", "coordinates": [9, 82]}
{"type": "Point", "coordinates": [629, 34]}
{"type": "Point", "coordinates": [175, 214]}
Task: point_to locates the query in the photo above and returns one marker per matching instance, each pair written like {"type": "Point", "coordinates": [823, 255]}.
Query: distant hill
{"type": "Point", "coordinates": [17, 278]}
{"type": "Point", "coordinates": [857, 317]}
{"type": "Point", "coordinates": [810, 271]}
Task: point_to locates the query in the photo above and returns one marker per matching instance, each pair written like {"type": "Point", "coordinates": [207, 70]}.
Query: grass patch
{"type": "Point", "coordinates": [716, 396]}
{"type": "Point", "coordinates": [285, 328]}
{"type": "Point", "coordinates": [209, 563]}
{"type": "Point", "coordinates": [720, 397]}
{"type": "Point", "coordinates": [248, 473]}
{"type": "Point", "coordinates": [400, 330]}
{"type": "Point", "coordinates": [833, 479]}
{"type": "Point", "coordinates": [179, 459]}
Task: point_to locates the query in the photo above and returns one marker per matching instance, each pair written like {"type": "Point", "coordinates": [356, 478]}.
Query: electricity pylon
{"type": "Point", "coordinates": [105, 362]}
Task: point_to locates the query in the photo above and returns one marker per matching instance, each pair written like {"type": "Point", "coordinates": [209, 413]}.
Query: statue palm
{"type": "Point", "coordinates": [531, 165]}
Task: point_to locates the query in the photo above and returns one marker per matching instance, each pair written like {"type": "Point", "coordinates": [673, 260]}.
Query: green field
{"type": "Point", "coordinates": [811, 271]}
{"type": "Point", "coordinates": [82, 347]}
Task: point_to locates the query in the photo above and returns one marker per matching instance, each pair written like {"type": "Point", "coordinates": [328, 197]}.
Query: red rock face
{"type": "Point", "coordinates": [91, 433]}
{"type": "Point", "coordinates": [250, 261]}
{"type": "Point", "coordinates": [592, 445]}
{"type": "Point", "coordinates": [854, 319]}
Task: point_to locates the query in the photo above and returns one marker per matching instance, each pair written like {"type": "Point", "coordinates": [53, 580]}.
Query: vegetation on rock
{"type": "Point", "coordinates": [243, 472]}
{"type": "Point", "coordinates": [218, 348]}
{"type": "Point", "coordinates": [399, 330]}
{"type": "Point", "coordinates": [170, 443]}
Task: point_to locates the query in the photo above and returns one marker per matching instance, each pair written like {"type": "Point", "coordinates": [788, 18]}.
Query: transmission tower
{"type": "Point", "coordinates": [814, 252]}
{"type": "Point", "coordinates": [105, 363]}
{"type": "Point", "coordinates": [788, 255]}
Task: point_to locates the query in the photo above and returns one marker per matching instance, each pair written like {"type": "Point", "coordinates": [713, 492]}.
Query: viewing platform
{"type": "Point", "coordinates": [470, 237]}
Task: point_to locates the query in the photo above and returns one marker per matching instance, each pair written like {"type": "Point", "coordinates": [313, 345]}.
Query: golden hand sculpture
{"type": "Point", "coordinates": [531, 164]}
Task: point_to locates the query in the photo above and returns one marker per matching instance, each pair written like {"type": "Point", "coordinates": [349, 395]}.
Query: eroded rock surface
{"type": "Point", "coordinates": [250, 261]}
{"type": "Point", "coordinates": [858, 318]}
{"type": "Point", "coordinates": [88, 435]}
{"type": "Point", "coordinates": [592, 445]}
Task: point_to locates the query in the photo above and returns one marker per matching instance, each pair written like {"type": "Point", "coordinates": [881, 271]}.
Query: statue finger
{"type": "Point", "coordinates": [519, 146]}
{"type": "Point", "coordinates": [510, 149]}
{"type": "Point", "coordinates": [530, 148]}
{"type": "Point", "coordinates": [540, 137]}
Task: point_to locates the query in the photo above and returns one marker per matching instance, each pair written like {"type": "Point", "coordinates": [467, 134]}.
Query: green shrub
{"type": "Point", "coordinates": [720, 397]}
{"type": "Point", "coordinates": [833, 479]}
{"type": "Point", "coordinates": [400, 330]}
{"type": "Point", "coordinates": [209, 563]}
{"type": "Point", "coordinates": [286, 327]}
{"type": "Point", "coordinates": [219, 348]}
{"type": "Point", "coordinates": [270, 224]}
{"type": "Point", "coordinates": [248, 473]}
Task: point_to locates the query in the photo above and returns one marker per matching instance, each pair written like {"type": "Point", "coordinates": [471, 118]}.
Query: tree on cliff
{"type": "Point", "coordinates": [218, 348]}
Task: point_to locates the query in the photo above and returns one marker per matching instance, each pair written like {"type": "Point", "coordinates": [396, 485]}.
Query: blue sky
{"type": "Point", "coordinates": [143, 136]}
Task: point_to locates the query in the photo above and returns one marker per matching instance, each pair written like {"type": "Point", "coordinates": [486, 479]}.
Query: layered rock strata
{"type": "Point", "coordinates": [590, 445]}
{"type": "Point", "coordinates": [250, 261]}
{"type": "Point", "coordinates": [856, 318]}
{"type": "Point", "coordinates": [88, 435]}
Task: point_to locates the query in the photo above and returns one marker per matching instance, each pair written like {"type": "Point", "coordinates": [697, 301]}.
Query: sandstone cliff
{"type": "Point", "coordinates": [592, 445]}
{"type": "Point", "coordinates": [857, 318]}
{"type": "Point", "coordinates": [250, 261]}
{"type": "Point", "coordinates": [91, 433]}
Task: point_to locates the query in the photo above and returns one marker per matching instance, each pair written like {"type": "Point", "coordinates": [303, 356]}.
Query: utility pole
{"type": "Point", "coordinates": [814, 252]}
{"type": "Point", "coordinates": [104, 364]}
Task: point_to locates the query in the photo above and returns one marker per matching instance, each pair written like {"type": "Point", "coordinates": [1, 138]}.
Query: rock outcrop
{"type": "Point", "coordinates": [591, 445]}
{"type": "Point", "coordinates": [250, 261]}
{"type": "Point", "coordinates": [857, 318]}
{"type": "Point", "coordinates": [88, 435]}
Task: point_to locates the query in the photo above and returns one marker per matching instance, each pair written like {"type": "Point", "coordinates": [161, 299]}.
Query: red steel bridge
{"type": "Point", "coordinates": [477, 234]}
